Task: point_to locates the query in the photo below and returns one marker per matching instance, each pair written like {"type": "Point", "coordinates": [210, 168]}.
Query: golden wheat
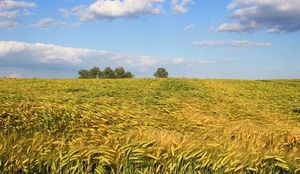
{"type": "Point", "coordinates": [149, 126]}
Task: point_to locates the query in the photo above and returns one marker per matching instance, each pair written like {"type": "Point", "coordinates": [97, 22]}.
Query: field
{"type": "Point", "coordinates": [149, 126]}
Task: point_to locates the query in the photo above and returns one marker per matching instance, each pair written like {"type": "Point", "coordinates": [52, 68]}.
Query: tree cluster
{"type": "Point", "coordinates": [119, 72]}
{"type": "Point", "coordinates": [107, 73]}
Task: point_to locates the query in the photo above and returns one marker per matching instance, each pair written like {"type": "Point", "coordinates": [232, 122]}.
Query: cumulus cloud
{"type": "Point", "coordinates": [272, 15]}
{"type": "Point", "coordinates": [180, 6]}
{"type": "Point", "coordinates": [10, 10]}
{"type": "Point", "coordinates": [45, 53]}
{"type": "Point", "coordinates": [12, 4]}
{"type": "Point", "coordinates": [110, 9]}
{"type": "Point", "coordinates": [44, 23]}
{"type": "Point", "coordinates": [238, 27]}
{"type": "Point", "coordinates": [9, 14]}
{"type": "Point", "coordinates": [49, 56]}
{"type": "Point", "coordinates": [232, 43]}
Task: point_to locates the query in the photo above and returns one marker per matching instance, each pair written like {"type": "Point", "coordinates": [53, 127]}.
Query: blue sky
{"type": "Point", "coordinates": [244, 39]}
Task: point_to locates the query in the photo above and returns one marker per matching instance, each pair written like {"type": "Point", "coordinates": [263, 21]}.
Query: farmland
{"type": "Point", "coordinates": [149, 126]}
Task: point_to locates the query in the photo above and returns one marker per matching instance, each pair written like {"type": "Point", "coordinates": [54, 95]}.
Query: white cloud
{"type": "Point", "coordinates": [8, 14]}
{"type": "Point", "coordinates": [12, 4]}
{"type": "Point", "coordinates": [232, 43]}
{"type": "Point", "coordinates": [45, 53]}
{"type": "Point", "coordinates": [180, 6]}
{"type": "Point", "coordinates": [39, 55]}
{"type": "Point", "coordinates": [8, 24]}
{"type": "Point", "coordinates": [188, 27]}
{"type": "Point", "coordinates": [272, 15]}
{"type": "Point", "coordinates": [44, 23]}
{"type": "Point", "coordinates": [10, 10]}
{"type": "Point", "coordinates": [110, 9]}
{"type": "Point", "coordinates": [238, 27]}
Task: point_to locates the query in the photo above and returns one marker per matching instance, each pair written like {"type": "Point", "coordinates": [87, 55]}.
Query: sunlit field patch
{"type": "Point", "coordinates": [149, 126]}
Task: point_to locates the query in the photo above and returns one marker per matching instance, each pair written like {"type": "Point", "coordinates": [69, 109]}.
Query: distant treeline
{"type": "Point", "coordinates": [119, 72]}
{"type": "Point", "coordinates": [107, 73]}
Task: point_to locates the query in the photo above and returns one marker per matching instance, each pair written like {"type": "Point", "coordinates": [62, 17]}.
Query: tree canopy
{"type": "Point", "coordinates": [161, 73]}
{"type": "Point", "coordinates": [107, 73]}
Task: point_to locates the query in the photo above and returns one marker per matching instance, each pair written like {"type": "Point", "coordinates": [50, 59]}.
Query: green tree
{"type": "Point", "coordinates": [161, 73]}
{"type": "Point", "coordinates": [128, 75]}
{"type": "Point", "coordinates": [84, 74]}
{"type": "Point", "coordinates": [119, 72]}
{"type": "Point", "coordinates": [108, 73]}
{"type": "Point", "coordinates": [95, 72]}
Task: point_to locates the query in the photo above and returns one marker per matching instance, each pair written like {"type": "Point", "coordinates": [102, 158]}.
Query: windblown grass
{"type": "Point", "coordinates": [149, 126]}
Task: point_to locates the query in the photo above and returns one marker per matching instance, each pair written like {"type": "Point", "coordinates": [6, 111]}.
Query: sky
{"type": "Point", "coordinates": [227, 39]}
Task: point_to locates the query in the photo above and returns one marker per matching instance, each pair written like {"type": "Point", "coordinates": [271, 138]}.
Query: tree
{"type": "Point", "coordinates": [120, 72]}
{"type": "Point", "coordinates": [161, 73]}
{"type": "Point", "coordinates": [84, 74]}
{"type": "Point", "coordinates": [108, 73]}
{"type": "Point", "coordinates": [128, 75]}
{"type": "Point", "coordinates": [95, 72]}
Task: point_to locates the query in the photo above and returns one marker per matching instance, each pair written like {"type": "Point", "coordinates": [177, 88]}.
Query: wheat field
{"type": "Point", "coordinates": [149, 126]}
